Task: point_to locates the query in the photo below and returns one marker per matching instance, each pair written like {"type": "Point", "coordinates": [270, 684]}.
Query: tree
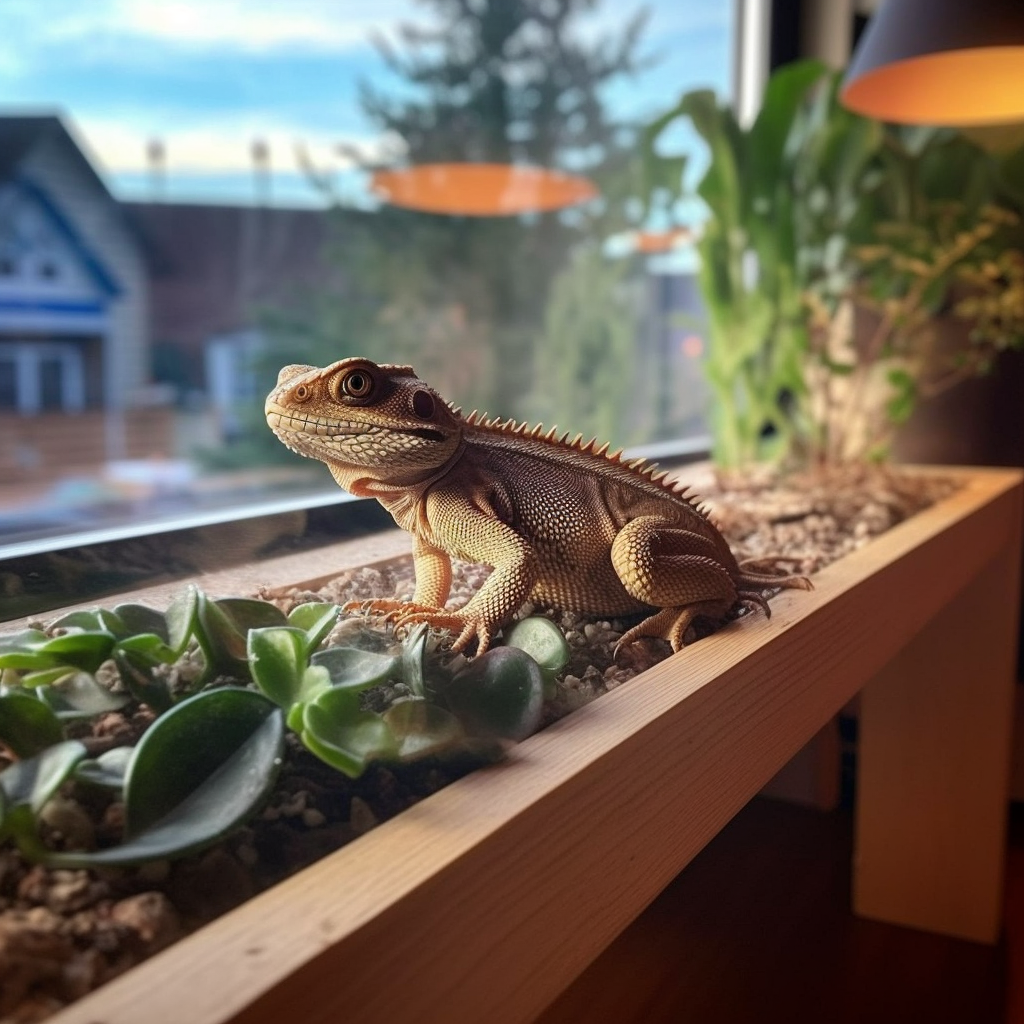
{"type": "Point", "coordinates": [503, 81]}
{"type": "Point", "coordinates": [464, 299]}
{"type": "Point", "coordinates": [587, 362]}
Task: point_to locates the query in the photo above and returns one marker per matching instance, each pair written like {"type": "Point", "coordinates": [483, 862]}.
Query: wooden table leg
{"type": "Point", "coordinates": [933, 766]}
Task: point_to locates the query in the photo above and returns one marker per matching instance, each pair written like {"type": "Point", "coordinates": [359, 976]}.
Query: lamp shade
{"type": "Point", "coordinates": [942, 62]}
{"type": "Point", "coordinates": [481, 190]}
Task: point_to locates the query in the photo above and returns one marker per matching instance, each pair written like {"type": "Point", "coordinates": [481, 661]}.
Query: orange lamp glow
{"type": "Point", "coordinates": [481, 190]}
{"type": "Point", "coordinates": [940, 62]}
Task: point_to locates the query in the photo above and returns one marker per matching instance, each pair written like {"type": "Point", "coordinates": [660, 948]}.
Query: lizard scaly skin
{"type": "Point", "coordinates": [561, 522]}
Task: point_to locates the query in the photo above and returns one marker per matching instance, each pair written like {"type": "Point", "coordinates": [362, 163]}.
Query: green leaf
{"type": "Point", "coordinates": [140, 618]}
{"type": "Point", "coordinates": [150, 644]}
{"type": "Point", "coordinates": [222, 643]}
{"type": "Point", "coordinates": [23, 640]}
{"type": "Point", "coordinates": [81, 696]}
{"type": "Point", "coordinates": [277, 661]}
{"type": "Point", "coordinates": [92, 620]}
{"type": "Point", "coordinates": [189, 744]}
{"type": "Point", "coordinates": [499, 694]}
{"type": "Point", "coordinates": [413, 651]}
{"type": "Point", "coordinates": [32, 782]}
{"type": "Point", "coordinates": [543, 641]}
{"type": "Point", "coordinates": [247, 613]}
{"type": "Point", "coordinates": [46, 677]}
{"type": "Point", "coordinates": [230, 789]}
{"type": "Point", "coordinates": [26, 659]}
{"type": "Point", "coordinates": [107, 770]}
{"type": "Point", "coordinates": [136, 669]}
{"type": "Point", "coordinates": [27, 725]}
{"type": "Point", "coordinates": [85, 650]}
{"type": "Point", "coordinates": [182, 618]}
{"type": "Point", "coordinates": [342, 735]}
{"type": "Point", "coordinates": [353, 669]}
{"type": "Point", "coordinates": [316, 619]}
{"type": "Point", "coordinates": [422, 729]}
{"type": "Point", "coordinates": [784, 93]}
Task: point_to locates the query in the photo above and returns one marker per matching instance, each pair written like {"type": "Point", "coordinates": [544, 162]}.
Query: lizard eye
{"type": "Point", "coordinates": [356, 384]}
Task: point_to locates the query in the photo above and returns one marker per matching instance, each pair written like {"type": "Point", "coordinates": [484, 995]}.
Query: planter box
{"type": "Point", "coordinates": [486, 900]}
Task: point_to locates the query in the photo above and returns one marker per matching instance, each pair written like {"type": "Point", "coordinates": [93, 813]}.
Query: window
{"type": "Point", "coordinates": [38, 377]}
{"type": "Point", "coordinates": [241, 219]}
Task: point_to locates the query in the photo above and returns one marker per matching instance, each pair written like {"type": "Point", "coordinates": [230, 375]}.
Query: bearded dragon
{"type": "Point", "coordinates": [560, 521]}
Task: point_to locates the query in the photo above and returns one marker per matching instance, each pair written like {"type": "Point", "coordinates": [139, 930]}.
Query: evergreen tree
{"type": "Point", "coordinates": [497, 81]}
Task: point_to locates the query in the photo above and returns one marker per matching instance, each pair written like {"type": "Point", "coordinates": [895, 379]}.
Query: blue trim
{"type": "Point", "coordinates": [107, 283]}
{"type": "Point", "coordinates": [49, 306]}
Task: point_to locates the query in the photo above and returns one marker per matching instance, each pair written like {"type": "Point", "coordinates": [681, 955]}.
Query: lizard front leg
{"type": "Point", "coordinates": [477, 535]}
{"type": "Point", "coordinates": [672, 569]}
{"type": "Point", "coordinates": [433, 570]}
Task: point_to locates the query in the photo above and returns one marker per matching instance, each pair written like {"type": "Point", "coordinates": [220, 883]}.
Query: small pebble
{"type": "Point", "coordinates": [313, 818]}
{"type": "Point", "coordinates": [154, 871]}
{"type": "Point", "coordinates": [247, 854]}
{"type": "Point", "coordinates": [295, 804]}
{"type": "Point", "coordinates": [361, 817]}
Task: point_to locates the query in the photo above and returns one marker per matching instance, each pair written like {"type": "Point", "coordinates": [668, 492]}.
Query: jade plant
{"type": "Point", "coordinates": [226, 680]}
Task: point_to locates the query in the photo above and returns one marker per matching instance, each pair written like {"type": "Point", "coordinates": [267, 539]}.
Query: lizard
{"type": "Point", "coordinates": [560, 521]}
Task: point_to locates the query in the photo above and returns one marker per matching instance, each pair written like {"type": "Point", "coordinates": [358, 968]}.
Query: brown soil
{"type": "Point", "coordinates": [63, 933]}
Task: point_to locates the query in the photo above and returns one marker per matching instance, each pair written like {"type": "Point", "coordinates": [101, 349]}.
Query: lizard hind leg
{"type": "Point", "coordinates": [674, 570]}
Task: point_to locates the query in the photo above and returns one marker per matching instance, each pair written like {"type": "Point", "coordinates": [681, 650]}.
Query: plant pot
{"type": "Point", "coordinates": [486, 900]}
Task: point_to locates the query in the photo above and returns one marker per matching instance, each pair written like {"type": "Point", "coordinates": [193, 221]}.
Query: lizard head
{"type": "Point", "coordinates": [366, 421]}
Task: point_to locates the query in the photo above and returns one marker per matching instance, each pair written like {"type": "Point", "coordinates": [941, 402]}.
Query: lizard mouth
{"type": "Point", "coordinates": [426, 433]}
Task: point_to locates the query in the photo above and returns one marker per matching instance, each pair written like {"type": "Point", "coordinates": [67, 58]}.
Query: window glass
{"type": "Point", "coordinates": [211, 190]}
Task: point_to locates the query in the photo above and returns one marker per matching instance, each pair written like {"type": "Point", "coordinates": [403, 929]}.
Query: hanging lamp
{"type": "Point", "coordinates": [940, 62]}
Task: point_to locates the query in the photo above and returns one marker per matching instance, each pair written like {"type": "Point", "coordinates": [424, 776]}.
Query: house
{"type": "Point", "coordinates": [214, 268]}
{"type": "Point", "coordinates": [113, 312]}
{"type": "Point", "coordinates": [74, 308]}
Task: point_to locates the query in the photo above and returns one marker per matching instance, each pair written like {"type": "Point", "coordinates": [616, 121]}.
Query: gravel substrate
{"type": "Point", "coordinates": [63, 933]}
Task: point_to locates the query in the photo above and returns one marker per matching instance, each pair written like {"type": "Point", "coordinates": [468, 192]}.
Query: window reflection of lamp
{"type": "Point", "coordinates": [940, 62]}
{"type": "Point", "coordinates": [481, 190]}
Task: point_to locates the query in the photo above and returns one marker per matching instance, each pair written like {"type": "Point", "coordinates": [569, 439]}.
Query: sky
{"type": "Point", "coordinates": [207, 77]}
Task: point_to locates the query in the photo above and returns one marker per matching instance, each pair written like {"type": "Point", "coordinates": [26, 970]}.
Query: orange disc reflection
{"type": "Point", "coordinates": [661, 241]}
{"type": "Point", "coordinates": [481, 190]}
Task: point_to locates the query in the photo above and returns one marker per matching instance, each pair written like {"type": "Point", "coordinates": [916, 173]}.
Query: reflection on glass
{"type": "Point", "coordinates": [481, 190]}
{"type": "Point", "coordinates": [186, 204]}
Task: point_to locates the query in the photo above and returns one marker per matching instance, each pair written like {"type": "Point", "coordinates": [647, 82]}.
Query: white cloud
{"type": "Point", "coordinates": [246, 25]}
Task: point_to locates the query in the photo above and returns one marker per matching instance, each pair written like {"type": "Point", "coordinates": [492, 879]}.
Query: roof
{"type": "Point", "coordinates": [216, 265]}
{"type": "Point", "coordinates": [21, 133]}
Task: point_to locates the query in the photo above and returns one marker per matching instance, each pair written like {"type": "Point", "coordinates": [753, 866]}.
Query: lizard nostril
{"type": "Point", "coordinates": [423, 404]}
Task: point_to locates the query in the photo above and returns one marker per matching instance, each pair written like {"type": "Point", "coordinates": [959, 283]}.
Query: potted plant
{"type": "Point", "coordinates": [833, 246]}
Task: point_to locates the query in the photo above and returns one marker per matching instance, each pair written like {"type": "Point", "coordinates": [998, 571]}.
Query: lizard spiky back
{"type": "Point", "coordinates": [637, 471]}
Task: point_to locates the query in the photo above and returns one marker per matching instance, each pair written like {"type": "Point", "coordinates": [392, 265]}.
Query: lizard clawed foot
{"type": "Point", "coordinates": [403, 614]}
{"type": "Point", "coordinates": [390, 609]}
{"type": "Point", "coordinates": [671, 624]}
{"type": "Point", "coordinates": [466, 626]}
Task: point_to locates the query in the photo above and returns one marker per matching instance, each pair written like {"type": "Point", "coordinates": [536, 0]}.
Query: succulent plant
{"type": "Point", "coordinates": [225, 679]}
